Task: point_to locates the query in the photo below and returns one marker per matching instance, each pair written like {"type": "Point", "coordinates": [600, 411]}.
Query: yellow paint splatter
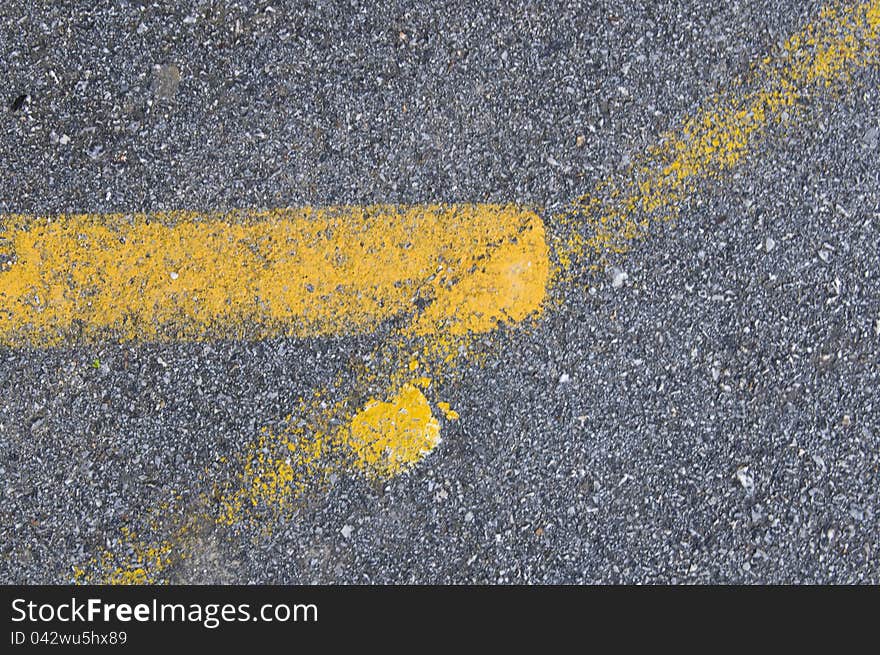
{"type": "Point", "coordinates": [422, 382]}
{"type": "Point", "coordinates": [387, 438]}
{"type": "Point", "coordinates": [277, 469]}
{"type": "Point", "coordinates": [488, 282]}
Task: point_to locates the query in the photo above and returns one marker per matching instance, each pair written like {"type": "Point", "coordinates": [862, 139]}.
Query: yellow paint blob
{"type": "Point", "coordinates": [389, 437]}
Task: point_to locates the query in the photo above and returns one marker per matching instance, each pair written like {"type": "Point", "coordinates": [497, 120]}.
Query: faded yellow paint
{"type": "Point", "coordinates": [287, 272]}
{"type": "Point", "coordinates": [381, 439]}
{"type": "Point", "coordinates": [274, 479]}
{"type": "Point", "coordinates": [144, 563]}
{"type": "Point", "coordinates": [277, 470]}
{"type": "Point", "coordinates": [821, 57]}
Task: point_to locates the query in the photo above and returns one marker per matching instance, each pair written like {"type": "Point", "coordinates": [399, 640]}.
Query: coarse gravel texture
{"type": "Point", "coordinates": [709, 417]}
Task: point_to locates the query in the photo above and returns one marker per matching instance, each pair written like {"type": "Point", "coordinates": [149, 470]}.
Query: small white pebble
{"type": "Point", "coordinates": [564, 378]}
{"type": "Point", "coordinates": [346, 531]}
{"type": "Point", "coordinates": [746, 479]}
{"type": "Point", "coordinates": [618, 277]}
{"type": "Point", "coordinates": [174, 275]}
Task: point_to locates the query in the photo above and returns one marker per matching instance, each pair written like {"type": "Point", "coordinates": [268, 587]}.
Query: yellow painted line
{"type": "Point", "coordinates": [386, 436]}
{"type": "Point", "coordinates": [820, 59]}
{"type": "Point", "coordinates": [257, 274]}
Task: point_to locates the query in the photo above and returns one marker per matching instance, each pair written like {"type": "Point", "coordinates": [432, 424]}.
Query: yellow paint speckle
{"type": "Point", "coordinates": [448, 412]}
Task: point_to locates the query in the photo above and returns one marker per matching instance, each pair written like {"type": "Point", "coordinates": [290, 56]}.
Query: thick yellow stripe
{"type": "Point", "coordinates": [256, 274]}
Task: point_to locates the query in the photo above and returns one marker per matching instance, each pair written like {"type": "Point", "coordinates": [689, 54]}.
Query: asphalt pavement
{"type": "Point", "coordinates": [702, 408]}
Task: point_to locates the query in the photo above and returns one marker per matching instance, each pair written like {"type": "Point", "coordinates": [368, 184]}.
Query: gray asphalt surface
{"type": "Point", "coordinates": [719, 356]}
